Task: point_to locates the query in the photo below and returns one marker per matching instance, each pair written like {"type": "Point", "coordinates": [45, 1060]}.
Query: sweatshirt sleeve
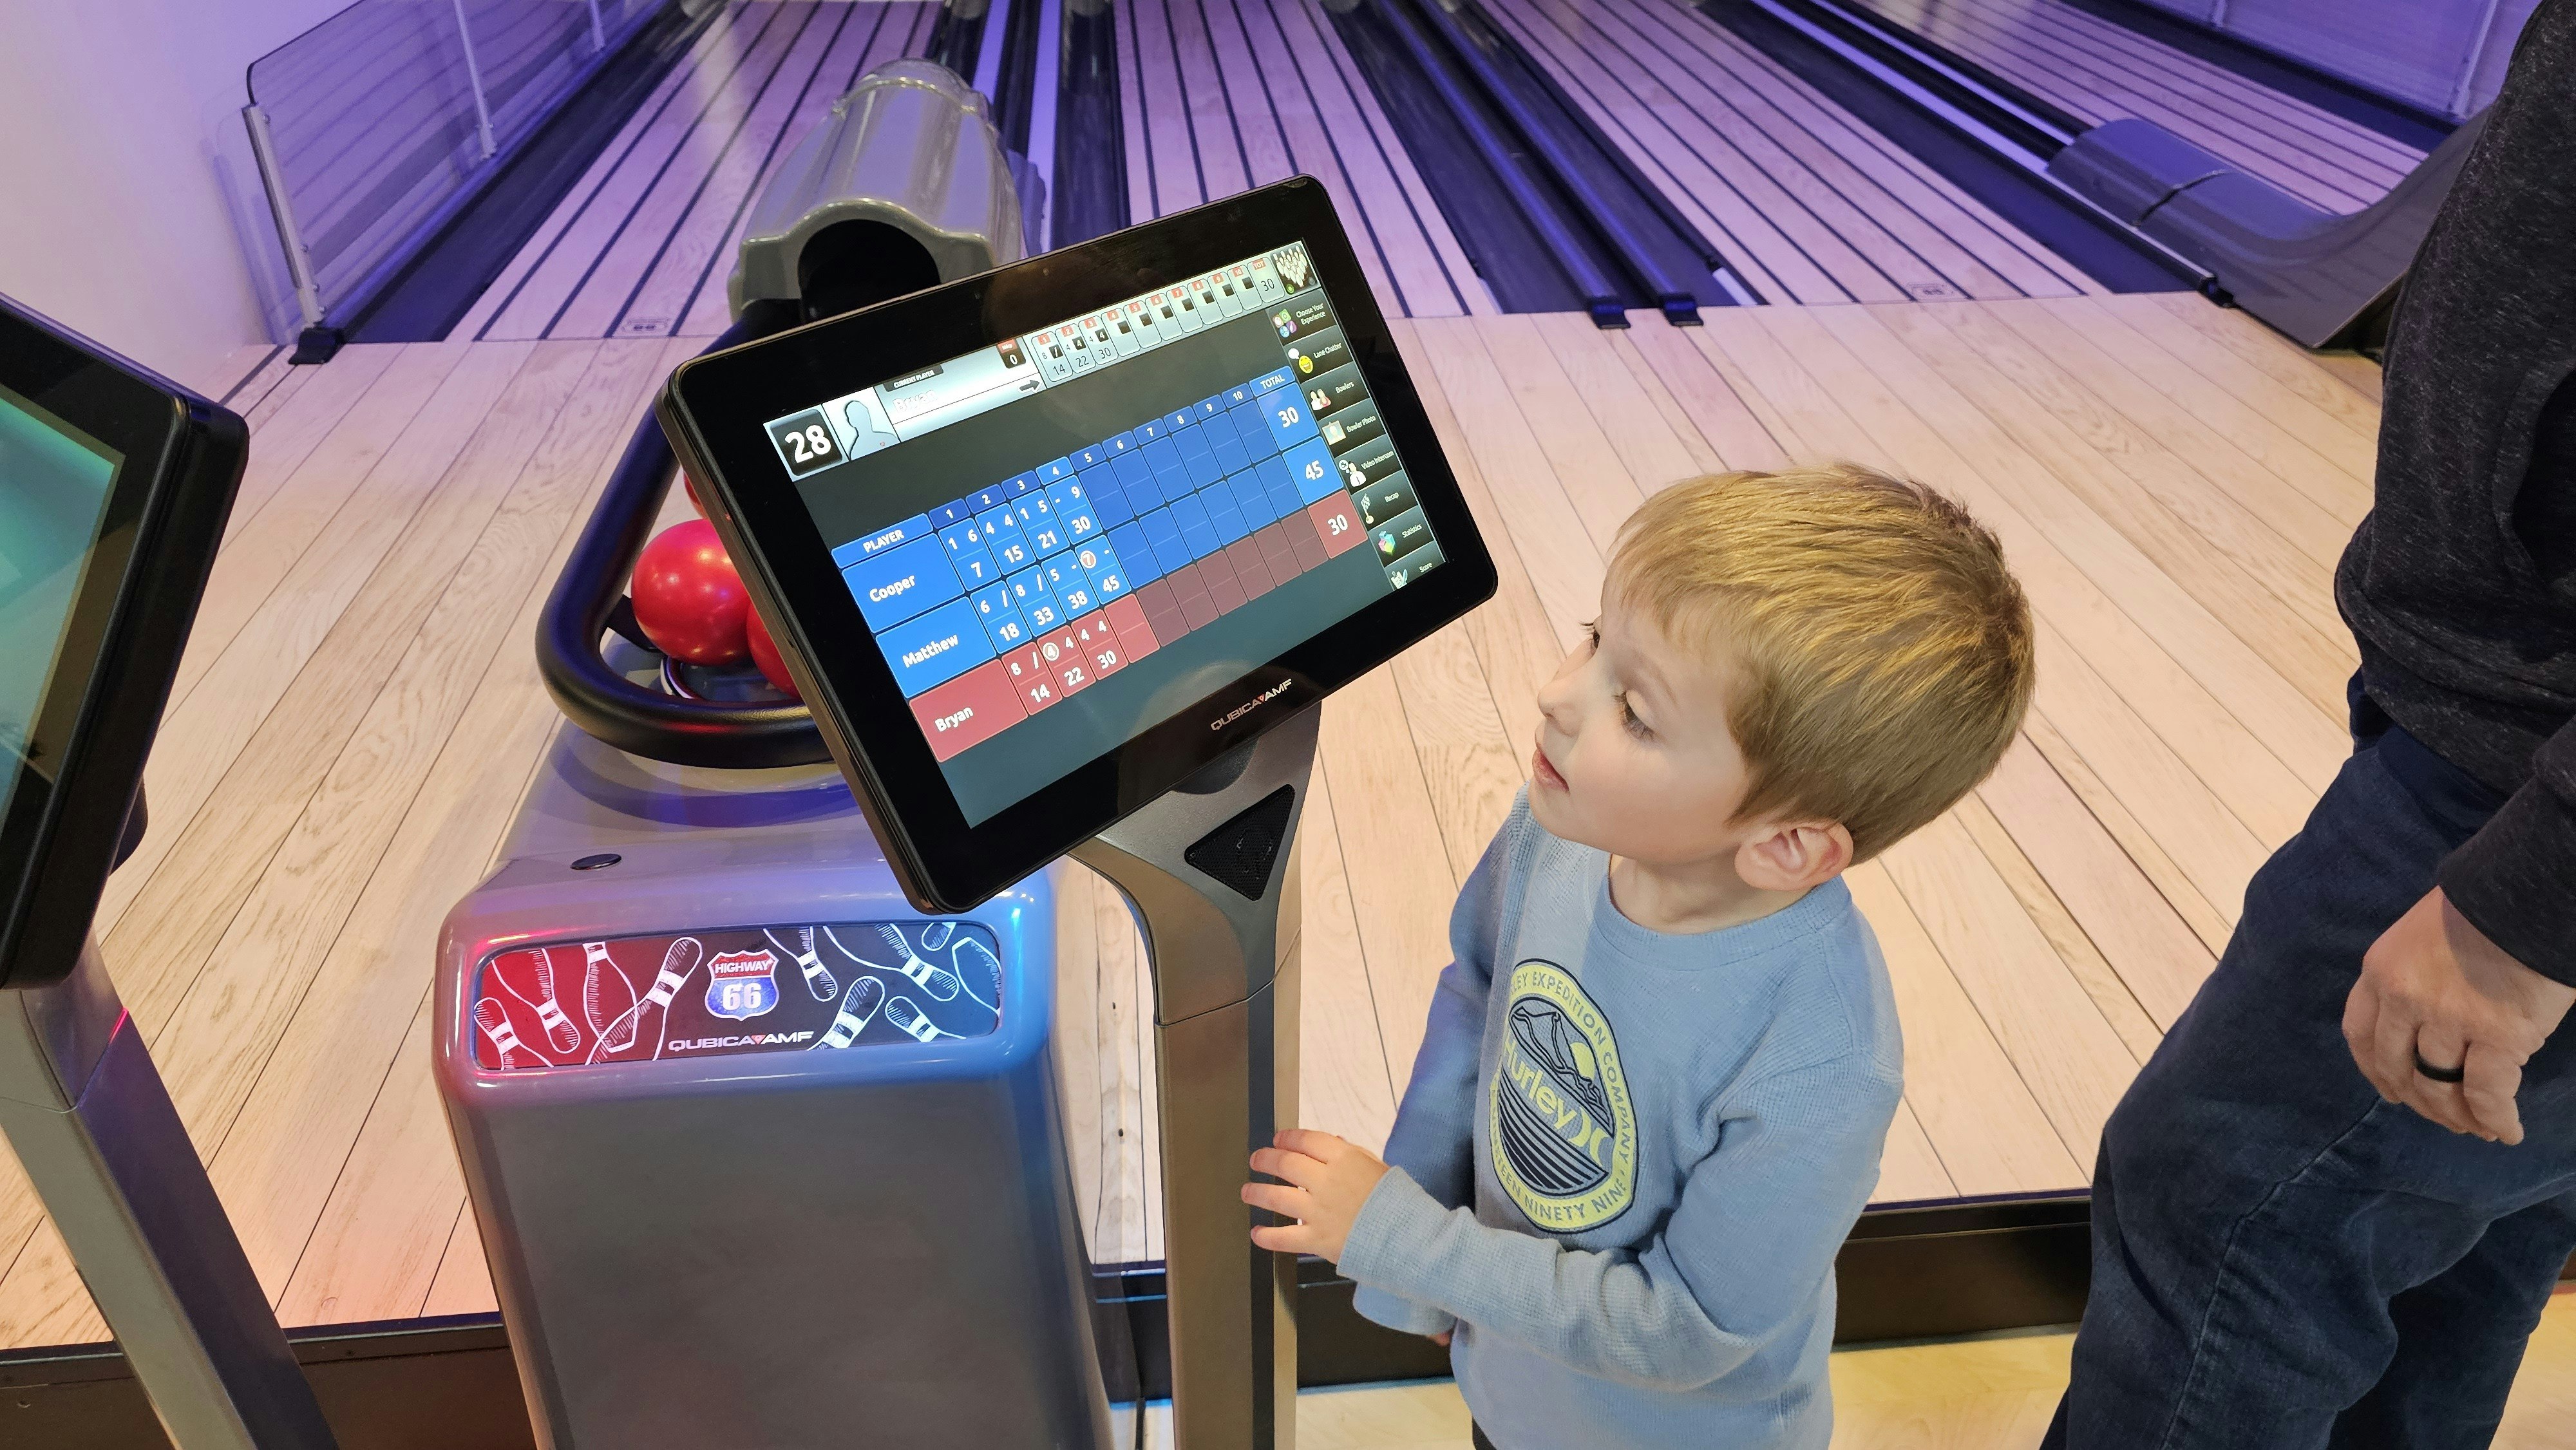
{"type": "Point", "coordinates": [1433, 1140]}
{"type": "Point", "coordinates": [1738, 1263]}
{"type": "Point", "coordinates": [2515, 880]}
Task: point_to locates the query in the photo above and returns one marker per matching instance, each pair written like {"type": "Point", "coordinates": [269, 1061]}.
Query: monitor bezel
{"type": "Point", "coordinates": [182, 458]}
{"type": "Point", "coordinates": [715, 409]}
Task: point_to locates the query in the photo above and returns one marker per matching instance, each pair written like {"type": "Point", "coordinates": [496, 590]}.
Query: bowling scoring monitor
{"type": "Point", "coordinates": [1048, 540]}
{"type": "Point", "coordinates": [114, 486]}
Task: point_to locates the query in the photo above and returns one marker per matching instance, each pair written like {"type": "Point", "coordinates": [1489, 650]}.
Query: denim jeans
{"type": "Point", "coordinates": [2280, 1259]}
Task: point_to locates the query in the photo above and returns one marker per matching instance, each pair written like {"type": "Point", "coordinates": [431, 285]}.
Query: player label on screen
{"type": "Point", "coordinates": [882, 540]}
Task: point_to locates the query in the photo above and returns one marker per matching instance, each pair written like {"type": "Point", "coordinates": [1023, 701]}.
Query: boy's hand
{"type": "Point", "coordinates": [1327, 1181]}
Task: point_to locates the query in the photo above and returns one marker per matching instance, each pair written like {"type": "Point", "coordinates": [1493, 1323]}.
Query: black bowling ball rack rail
{"type": "Point", "coordinates": [688, 716]}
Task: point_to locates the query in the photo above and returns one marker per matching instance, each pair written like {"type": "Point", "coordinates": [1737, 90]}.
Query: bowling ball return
{"type": "Point", "coordinates": [761, 1155]}
{"type": "Point", "coordinates": [752, 1076]}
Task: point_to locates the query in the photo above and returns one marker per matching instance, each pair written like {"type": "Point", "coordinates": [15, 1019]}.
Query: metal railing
{"type": "Point", "coordinates": [373, 126]}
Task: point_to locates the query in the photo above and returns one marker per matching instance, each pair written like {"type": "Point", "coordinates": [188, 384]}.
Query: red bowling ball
{"type": "Point", "coordinates": [689, 598]}
{"type": "Point", "coordinates": [764, 653]}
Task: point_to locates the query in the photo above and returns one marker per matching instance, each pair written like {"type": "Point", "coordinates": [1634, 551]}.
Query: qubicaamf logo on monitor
{"type": "Point", "coordinates": [1248, 706]}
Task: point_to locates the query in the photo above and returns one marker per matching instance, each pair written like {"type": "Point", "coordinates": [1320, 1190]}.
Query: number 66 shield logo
{"type": "Point", "coordinates": [742, 985]}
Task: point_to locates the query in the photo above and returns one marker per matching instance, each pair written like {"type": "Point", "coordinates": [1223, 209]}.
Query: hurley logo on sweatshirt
{"type": "Point", "coordinates": [1564, 1135]}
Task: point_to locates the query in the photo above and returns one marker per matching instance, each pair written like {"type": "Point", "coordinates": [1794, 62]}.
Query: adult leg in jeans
{"type": "Point", "coordinates": [2260, 1216]}
{"type": "Point", "coordinates": [2460, 1337]}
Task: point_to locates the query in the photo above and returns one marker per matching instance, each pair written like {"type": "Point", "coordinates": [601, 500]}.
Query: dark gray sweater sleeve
{"type": "Point", "coordinates": [2461, 584]}
{"type": "Point", "coordinates": [2515, 880]}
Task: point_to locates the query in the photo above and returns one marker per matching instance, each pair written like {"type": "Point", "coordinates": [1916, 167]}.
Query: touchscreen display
{"type": "Point", "coordinates": [54, 484]}
{"type": "Point", "coordinates": [1063, 539]}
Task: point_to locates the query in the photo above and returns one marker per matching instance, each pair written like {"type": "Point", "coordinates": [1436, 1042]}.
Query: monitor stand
{"type": "Point", "coordinates": [95, 1129]}
{"type": "Point", "coordinates": [1210, 871]}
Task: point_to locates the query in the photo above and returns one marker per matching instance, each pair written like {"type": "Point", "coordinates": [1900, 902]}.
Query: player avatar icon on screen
{"type": "Point", "coordinates": [1318, 401]}
{"type": "Point", "coordinates": [869, 428]}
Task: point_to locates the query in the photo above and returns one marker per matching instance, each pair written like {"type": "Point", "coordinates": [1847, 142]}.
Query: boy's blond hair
{"type": "Point", "coordinates": [1880, 652]}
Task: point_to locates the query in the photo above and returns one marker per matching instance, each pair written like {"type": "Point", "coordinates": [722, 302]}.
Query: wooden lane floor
{"type": "Point", "coordinates": [1220, 96]}
{"type": "Point", "coordinates": [642, 244]}
{"type": "Point", "coordinates": [1806, 201]}
{"type": "Point", "coordinates": [359, 713]}
{"type": "Point", "coordinates": [2098, 70]}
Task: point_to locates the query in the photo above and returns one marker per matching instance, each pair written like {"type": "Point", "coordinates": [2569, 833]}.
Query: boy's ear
{"type": "Point", "coordinates": [1794, 856]}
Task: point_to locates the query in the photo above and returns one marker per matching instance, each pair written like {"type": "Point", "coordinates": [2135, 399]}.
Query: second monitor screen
{"type": "Point", "coordinates": [1066, 538]}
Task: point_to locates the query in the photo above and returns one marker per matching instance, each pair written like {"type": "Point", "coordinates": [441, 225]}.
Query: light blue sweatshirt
{"type": "Point", "coordinates": [1627, 1158]}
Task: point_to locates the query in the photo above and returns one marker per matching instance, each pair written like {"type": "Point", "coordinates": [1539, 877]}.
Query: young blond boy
{"type": "Point", "coordinates": [1656, 1078]}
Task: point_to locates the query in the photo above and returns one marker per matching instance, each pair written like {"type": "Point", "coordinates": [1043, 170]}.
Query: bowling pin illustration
{"type": "Point", "coordinates": [613, 1025]}
{"type": "Point", "coordinates": [903, 1012]}
{"type": "Point", "coordinates": [550, 1012]}
{"type": "Point", "coordinates": [939, 982]}
{"type": "Point", "coordinates": [860, 1004]}
{"type": "Point", "coordinates": [494, 1019]}
{"type": "Point", "coordinates": [935, 935]}
{"type": "Point", "coordinates": [677, 964]}
{"type": "Point", "coordinates": [818, 977]}
{"type": "Point", "coordinates": [975, 962]}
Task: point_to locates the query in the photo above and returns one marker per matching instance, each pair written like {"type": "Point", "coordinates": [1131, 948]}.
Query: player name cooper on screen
{"type": "Point", "coordinates": [1194, 477]}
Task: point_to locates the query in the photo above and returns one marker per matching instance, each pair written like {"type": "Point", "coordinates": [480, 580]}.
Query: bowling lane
{"type": "Point", "coordinates": [641, 245]}
{"type": "Point", "coordinates": [1220, 96]}
{"type": "Point", "coordinates": [2099, 71]}
{"type": "Point", "coordinates": [1807, 202]}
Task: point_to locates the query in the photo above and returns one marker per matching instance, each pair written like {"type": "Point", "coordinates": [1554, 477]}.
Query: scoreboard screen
{"type": "Point", "coordinates": [1045, 542]}
{"type": "Point", "coordinates": [1190, 477]}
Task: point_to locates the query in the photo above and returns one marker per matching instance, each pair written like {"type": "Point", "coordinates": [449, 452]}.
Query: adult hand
{"type": "Point", "coordinates": [1328, 1180]}
{"type": "Point", "coordinates": [2434, 985]}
